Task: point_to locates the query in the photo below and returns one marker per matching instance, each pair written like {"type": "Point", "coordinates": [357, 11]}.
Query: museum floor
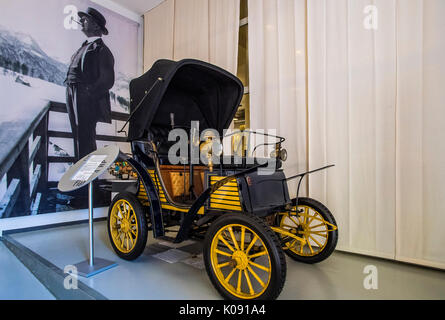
{"type": "Point", "coordinates": [167, 271]}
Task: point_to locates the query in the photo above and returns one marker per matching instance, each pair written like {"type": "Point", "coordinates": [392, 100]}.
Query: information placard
{"type": "Point", "coordinates": [89, 167]}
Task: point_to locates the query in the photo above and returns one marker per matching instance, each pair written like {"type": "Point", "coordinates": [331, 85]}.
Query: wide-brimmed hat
{"type": "Point", "coordinates": [97, 16]}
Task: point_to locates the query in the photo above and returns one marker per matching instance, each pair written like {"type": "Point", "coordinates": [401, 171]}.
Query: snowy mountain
{"type": "Point", "coordinates": [120, 93]}
{"type": "Point", "coordinates": [21, 53]}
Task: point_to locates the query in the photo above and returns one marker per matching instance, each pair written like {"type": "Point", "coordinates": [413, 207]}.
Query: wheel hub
{"type": "Point", "coordinates": [241, 260]}
{"type": "Point", "coordinates": [125, 225]}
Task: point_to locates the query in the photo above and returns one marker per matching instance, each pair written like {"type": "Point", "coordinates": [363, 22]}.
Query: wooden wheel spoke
{"type": "Point", "coordinates": [310, 247]}
{"type": "Point", "coordinates": [128, 245]}
{"type": "Point", "coordinates": [226, 243]}
{"type": "Point", "coordinates": [114, 214]}
{"type": "Point", "coordinates": [317, 226]}
{"type": "Point", "coordinates": [296, 223]}
{"type": "Point", "coordinates": [230, 275]}
{"type": "Point", "coordinates": [131, 239]}
{"type": "Point", "coordinates": [238, 287]}
{"type": "Point", "coordinates": [255, 238]}
{"type": "Point", "coordinates": [233, 238]}
{"type": "Point", "coordinates": [318, 243]}
{"type": "Point", "coordinates": [123, 211]}
{"type": "Point", "coordinates": [243, 234]}
{"type": "Point", "coordinates": [252, 292]}
{"type": "Point", "coordinates": [227, 237]}
{"type": "Point", "coordinates": [259, 254]}
{"type": "Point", "coordinates": [129, 213]}
{"type": "Point", "coordinates": [319, 233]}
{"type": "Point", "coordinates": [223, 253]}
{"type": "Point", "coordinates": [317, 218]}
{"type": "Point", "coordinates": [224, 264]}
{"type": "Point", "coordinates": [311, 218]}
{"type": "Point", "coordinates": [256, 277]}
{"type": "Point", "coordinates": [259, 266]}
{"type": "Point", "coordinates": [120, 211]}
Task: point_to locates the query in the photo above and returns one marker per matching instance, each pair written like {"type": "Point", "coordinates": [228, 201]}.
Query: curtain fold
{"type": "Point", "coordinates": [206, 30]}
{"type": "Point", "coordinates": [351, 121]}
{"type": "Point", "coordinates": [277, 76]}
{"type": "Point", "coordinates": [159, 33]}
{"type": "Point", "coordinates": [191, 30]}
{"type": "Point", "coordinates": [224, 33]}
{"type": "Point", "coordinates": [420, 129]}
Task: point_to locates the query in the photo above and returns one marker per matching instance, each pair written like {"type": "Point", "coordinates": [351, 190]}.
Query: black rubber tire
{"type": "Point", "coordinates": [332, 235]}
{"type": "Point", "coordinates": [141, 240]}
{"type": "Point", "coordinates": [270, 239]}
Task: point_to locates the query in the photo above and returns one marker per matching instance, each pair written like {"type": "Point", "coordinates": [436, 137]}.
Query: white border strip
{"type": "Point", "coordinates": [43, 220]}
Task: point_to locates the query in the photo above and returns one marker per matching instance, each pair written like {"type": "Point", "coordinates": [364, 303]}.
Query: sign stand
{"type": "Point", "coordinates": [93, 265]}
{"type": "Point", "coordinates": [82, 173]}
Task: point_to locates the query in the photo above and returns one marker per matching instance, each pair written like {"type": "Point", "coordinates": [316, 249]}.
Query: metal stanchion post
{"type": "Point", "coordinates": [90, 215]}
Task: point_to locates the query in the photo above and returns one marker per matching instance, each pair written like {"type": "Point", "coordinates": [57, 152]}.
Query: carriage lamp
{"type": "Point", "coordinates": [210, 147]}
{"type": "Point", "coordinates": [283, 155]}
{"type": "Point", "coordinates": [279, 154]}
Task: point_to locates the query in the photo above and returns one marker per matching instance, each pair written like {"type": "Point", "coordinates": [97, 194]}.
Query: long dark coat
{"type": "Point", "coordinates": [98, 79]}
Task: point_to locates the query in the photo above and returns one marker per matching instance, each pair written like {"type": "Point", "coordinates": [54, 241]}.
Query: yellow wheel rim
{"type": "Point", "coordinates": [123, 226]}
{"type": "Point", "coordinates": [309, 225]}
{"type": "Point", "coordinates": [241, 261]}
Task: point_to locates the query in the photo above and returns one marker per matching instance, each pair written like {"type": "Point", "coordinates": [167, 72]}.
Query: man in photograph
{"type": "Point", "coordinates": [89, 79]}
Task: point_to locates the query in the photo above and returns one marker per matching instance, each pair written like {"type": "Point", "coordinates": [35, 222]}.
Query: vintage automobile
{"type": "Point", "coordinates": [246, 219]}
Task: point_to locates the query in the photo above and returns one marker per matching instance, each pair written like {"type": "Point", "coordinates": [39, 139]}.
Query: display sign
{"type": "Point", "coordinates": [92, 164]}
{"type": "Point", "coordinates": [88, 168]}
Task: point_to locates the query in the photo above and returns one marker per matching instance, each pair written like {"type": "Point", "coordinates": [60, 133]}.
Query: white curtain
{"type": "Point", "coordinates": [374, 108]}
{"type": "Point", "coordinates": [277, 76]}
{"type": "Point", "coordinates": [159, 33]}
{"type": "Point", "coordinates": [420, 154]}
{"type": "Point", "coordinates": [200, 29]}
{"type": "Point", "coordinates": [191, 29]}
{"type": "Point", "coordinates": [223, 33]}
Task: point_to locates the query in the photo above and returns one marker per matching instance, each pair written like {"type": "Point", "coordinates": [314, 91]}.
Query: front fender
{"type": "Point", "coordinates": [153, 198]}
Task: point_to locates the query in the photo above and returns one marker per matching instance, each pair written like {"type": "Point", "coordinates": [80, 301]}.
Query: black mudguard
{"type": "Point", "coordinates": [155, 203]}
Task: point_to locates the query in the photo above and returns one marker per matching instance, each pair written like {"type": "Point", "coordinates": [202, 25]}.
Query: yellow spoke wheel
{"type": "Point", "coordinates": [243, 258]}
{"type": "Point", "coordinates": [314, 223]}
{"type": "Point", "coordinates": [127, 226]}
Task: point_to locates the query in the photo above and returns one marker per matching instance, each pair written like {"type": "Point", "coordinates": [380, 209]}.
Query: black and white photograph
{"type": "Point", "coordinates": [64, 78]}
